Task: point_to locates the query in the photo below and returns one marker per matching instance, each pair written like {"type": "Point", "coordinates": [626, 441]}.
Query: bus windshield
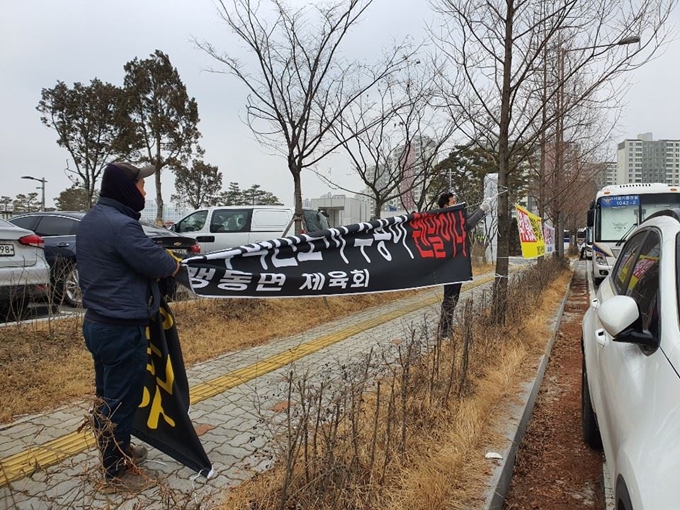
{"type": "Point", "coordinates": [619, 214]}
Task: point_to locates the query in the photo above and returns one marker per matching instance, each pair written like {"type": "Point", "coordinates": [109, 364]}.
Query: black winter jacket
{"type": "Point", "coordinates": [118, 265]}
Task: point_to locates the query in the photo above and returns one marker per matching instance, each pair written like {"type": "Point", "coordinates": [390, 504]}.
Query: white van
{"type": "Point", "coordinates": [219, 228]}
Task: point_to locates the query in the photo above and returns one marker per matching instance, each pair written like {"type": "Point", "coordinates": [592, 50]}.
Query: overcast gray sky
{"type": "Point", "coordinates": [43, 41]}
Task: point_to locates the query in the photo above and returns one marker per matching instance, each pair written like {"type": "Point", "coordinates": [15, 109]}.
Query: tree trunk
{"type": "Point", "coordinates": [159, 194]}
{"type": "Point", "coordinates": [376, 211]}
{"type": "Point", "coordinates": [297, 191]}
{"type": "Point", "coordinates": [500, 287]}
{"type": "Point", "coordinates": [559, 155]}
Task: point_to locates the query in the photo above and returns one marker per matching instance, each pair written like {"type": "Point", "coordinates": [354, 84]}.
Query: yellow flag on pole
{"type": "Point", "coordinates": [530, 229]}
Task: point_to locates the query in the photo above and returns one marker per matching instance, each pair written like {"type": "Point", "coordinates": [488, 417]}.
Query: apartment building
{"type": "Point", "coordinates": [405, 164]}
{"type": "Point", "coordinates": [644, 159]}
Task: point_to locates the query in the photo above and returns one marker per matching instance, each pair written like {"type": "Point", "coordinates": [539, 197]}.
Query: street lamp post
{"type": "Point", "coordinates": [42, 187]}
{"type": "Point", "coordinates": [559, 130]}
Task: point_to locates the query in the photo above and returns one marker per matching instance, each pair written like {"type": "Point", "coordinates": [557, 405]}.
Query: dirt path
{"type": "Point", "coordinates": [555, 470]}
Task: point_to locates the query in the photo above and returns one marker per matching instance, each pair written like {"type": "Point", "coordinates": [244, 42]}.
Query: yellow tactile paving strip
{"type": "Point", "coordinates": [22, 464]}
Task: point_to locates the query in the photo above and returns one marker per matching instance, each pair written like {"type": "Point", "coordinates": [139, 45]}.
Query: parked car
{"type": "Point", "coordinates": [219, 228]}
{"type": "Point", "coordinates": [631, 362]}
{"type": "Point", "coordinates": [24, 272]}
{"type": "Point", "coordinates": [58, 229]}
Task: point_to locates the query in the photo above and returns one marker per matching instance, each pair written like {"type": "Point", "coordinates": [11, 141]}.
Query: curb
{"type": "Point", "coordinates": [520, 414]}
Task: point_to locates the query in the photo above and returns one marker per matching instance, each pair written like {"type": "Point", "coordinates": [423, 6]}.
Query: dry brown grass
{"type": "Point", "coordinates": [444, 464]}
{"type": "Point", "coordinates": [453, 472]}
{"type": "Point", "coordinates": [46, 365]}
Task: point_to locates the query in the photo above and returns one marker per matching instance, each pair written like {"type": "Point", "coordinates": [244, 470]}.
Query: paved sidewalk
{"type": "Point", "coordinates": [236, 404]}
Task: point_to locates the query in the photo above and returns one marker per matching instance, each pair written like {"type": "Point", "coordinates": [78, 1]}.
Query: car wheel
{"type": "Point", "coordinates": [591, 432]}
{"type": "Point", "coordinates": [71, 287]}
{"type": "Point", "coordinates": [623, 501]}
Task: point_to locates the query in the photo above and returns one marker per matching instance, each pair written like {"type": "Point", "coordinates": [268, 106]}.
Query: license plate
{"type": "Point", "coordinates": [6, 250]}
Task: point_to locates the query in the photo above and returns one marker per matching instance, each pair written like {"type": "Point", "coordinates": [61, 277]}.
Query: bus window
{"type": "Point", "coordinates": [616, 221]}
{"type": "Point", "coordinates": [655, 203]}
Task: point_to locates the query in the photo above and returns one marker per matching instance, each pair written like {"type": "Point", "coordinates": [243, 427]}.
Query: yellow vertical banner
{"type": "Point", "coordinates": [530, 229]}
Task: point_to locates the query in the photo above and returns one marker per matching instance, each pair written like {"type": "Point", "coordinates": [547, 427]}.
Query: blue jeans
{"type": "Point", "coordinates": [120, 357]}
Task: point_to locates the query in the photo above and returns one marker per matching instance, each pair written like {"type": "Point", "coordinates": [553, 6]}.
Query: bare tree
{"type": "Point", "coordinates": [300, 85]}
{"type": "Point", "coordinates": [589, 131]}
{"type": "Point", "coordinates": [497, 50]}
{"type": "Point", "coordinates": [393, 139]}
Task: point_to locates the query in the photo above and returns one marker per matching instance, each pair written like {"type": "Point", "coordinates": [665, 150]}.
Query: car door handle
{"type": "Point", "coordinates": [205, 239]}
{"type": "Point", "coordinates": [601, 336]}
{"type": "Point", "coordinates": [62, 245]}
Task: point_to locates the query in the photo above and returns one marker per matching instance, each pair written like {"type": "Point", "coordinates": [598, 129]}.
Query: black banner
{"type": "Point", "coordinates": [162, 418]}
{"type": "Point", "coordinates": [398, 253]}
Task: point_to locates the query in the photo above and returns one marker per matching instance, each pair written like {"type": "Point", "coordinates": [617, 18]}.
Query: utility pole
{"type": "Point", "coordinates": [42, 187]}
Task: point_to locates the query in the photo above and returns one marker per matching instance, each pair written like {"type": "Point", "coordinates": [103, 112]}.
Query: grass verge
{"type": "Point", "coordinates": [45, 364]}
{"type": "Point", "coordinates": [412, 433]}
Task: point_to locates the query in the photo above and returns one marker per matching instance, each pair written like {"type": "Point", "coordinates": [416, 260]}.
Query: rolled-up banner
{"type": "Point", "coordinates": [398, 253]}
{"type": "Point", "coordinates": [162, 419]}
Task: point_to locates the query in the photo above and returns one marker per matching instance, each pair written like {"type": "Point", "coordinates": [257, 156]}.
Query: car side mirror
{"type": "Point", "coordinates": [620, 317]}
{"type": "Point", "coordinates": [590, 219]}
{"type": "Point", "coordinates": [617, 314]}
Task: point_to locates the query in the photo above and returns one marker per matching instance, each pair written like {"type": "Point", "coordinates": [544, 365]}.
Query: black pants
{"type": "Point", "coordinates": [119, 354]}
{"type": "Point", "coordinates": [451, 295]}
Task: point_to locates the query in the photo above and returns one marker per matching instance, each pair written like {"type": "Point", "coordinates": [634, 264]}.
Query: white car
{"type": "Point", "coordinates": [222, 227]}
{"type": "Point", "coordinates": [24, 273]}
{"type": "Point", "coordinates": [631, 362]}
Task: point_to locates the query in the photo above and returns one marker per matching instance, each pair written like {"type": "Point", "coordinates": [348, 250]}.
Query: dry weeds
{"type": "Point", "coordinates": [46, 365]}
{"type": "Point", "coordinates": [407, 445]}
{"type": "Point", "coordinates": [430, 456]}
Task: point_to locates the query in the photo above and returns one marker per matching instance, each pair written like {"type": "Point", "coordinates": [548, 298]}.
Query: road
{"type": "Point", "coordinates": [554, 468]}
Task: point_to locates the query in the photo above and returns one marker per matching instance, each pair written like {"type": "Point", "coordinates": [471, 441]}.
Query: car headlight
{"type": "Point", "coordinates": [600, 259]}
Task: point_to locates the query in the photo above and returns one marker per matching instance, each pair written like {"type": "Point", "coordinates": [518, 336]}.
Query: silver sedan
{"type": "Point", "coordinates": [24, 273]}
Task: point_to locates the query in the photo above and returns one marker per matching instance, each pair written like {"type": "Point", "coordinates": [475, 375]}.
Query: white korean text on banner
{"type": "Point", "coordinates": [402, 252]}
{"type": "Point", "coordinates": [162, 419]}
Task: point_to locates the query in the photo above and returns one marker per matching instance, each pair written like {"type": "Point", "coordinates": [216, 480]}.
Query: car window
{"type": "Point", "coordinates": [643, 285]}
{"type": "Point", "coordinates": [315, 220]}
{"type": "Point", "coordinates": [56, 226]}
{"type": "Point", "coordinates": [625, 262]}
{"type": "Point", "coordinates": [193, 222]}
{"type": "Point", "coordinates": [26, 222]}
{"type": "Point", "coordinates": [230, 220]}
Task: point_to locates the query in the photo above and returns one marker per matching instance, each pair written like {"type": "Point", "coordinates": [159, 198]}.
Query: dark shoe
{"type": "Point", "coordinates": [136, 454]}
{"type": "Point", "coordinates": [129, 481]}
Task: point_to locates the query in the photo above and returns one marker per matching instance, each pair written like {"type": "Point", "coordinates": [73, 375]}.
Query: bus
{"type": "Point", "coordinates": [616, 211]}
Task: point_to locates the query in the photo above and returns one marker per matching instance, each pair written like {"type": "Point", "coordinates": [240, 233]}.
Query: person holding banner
{"type": "Point", "coordinates": [452, 290]}
{"type": "Point", "coordinates": [118, 266]}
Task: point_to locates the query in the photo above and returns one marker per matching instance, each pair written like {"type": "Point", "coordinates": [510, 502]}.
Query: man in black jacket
{"type": "Point", "coordinates": [452, 290]}
{"type": "Point", "coordinates": [118, 266]}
